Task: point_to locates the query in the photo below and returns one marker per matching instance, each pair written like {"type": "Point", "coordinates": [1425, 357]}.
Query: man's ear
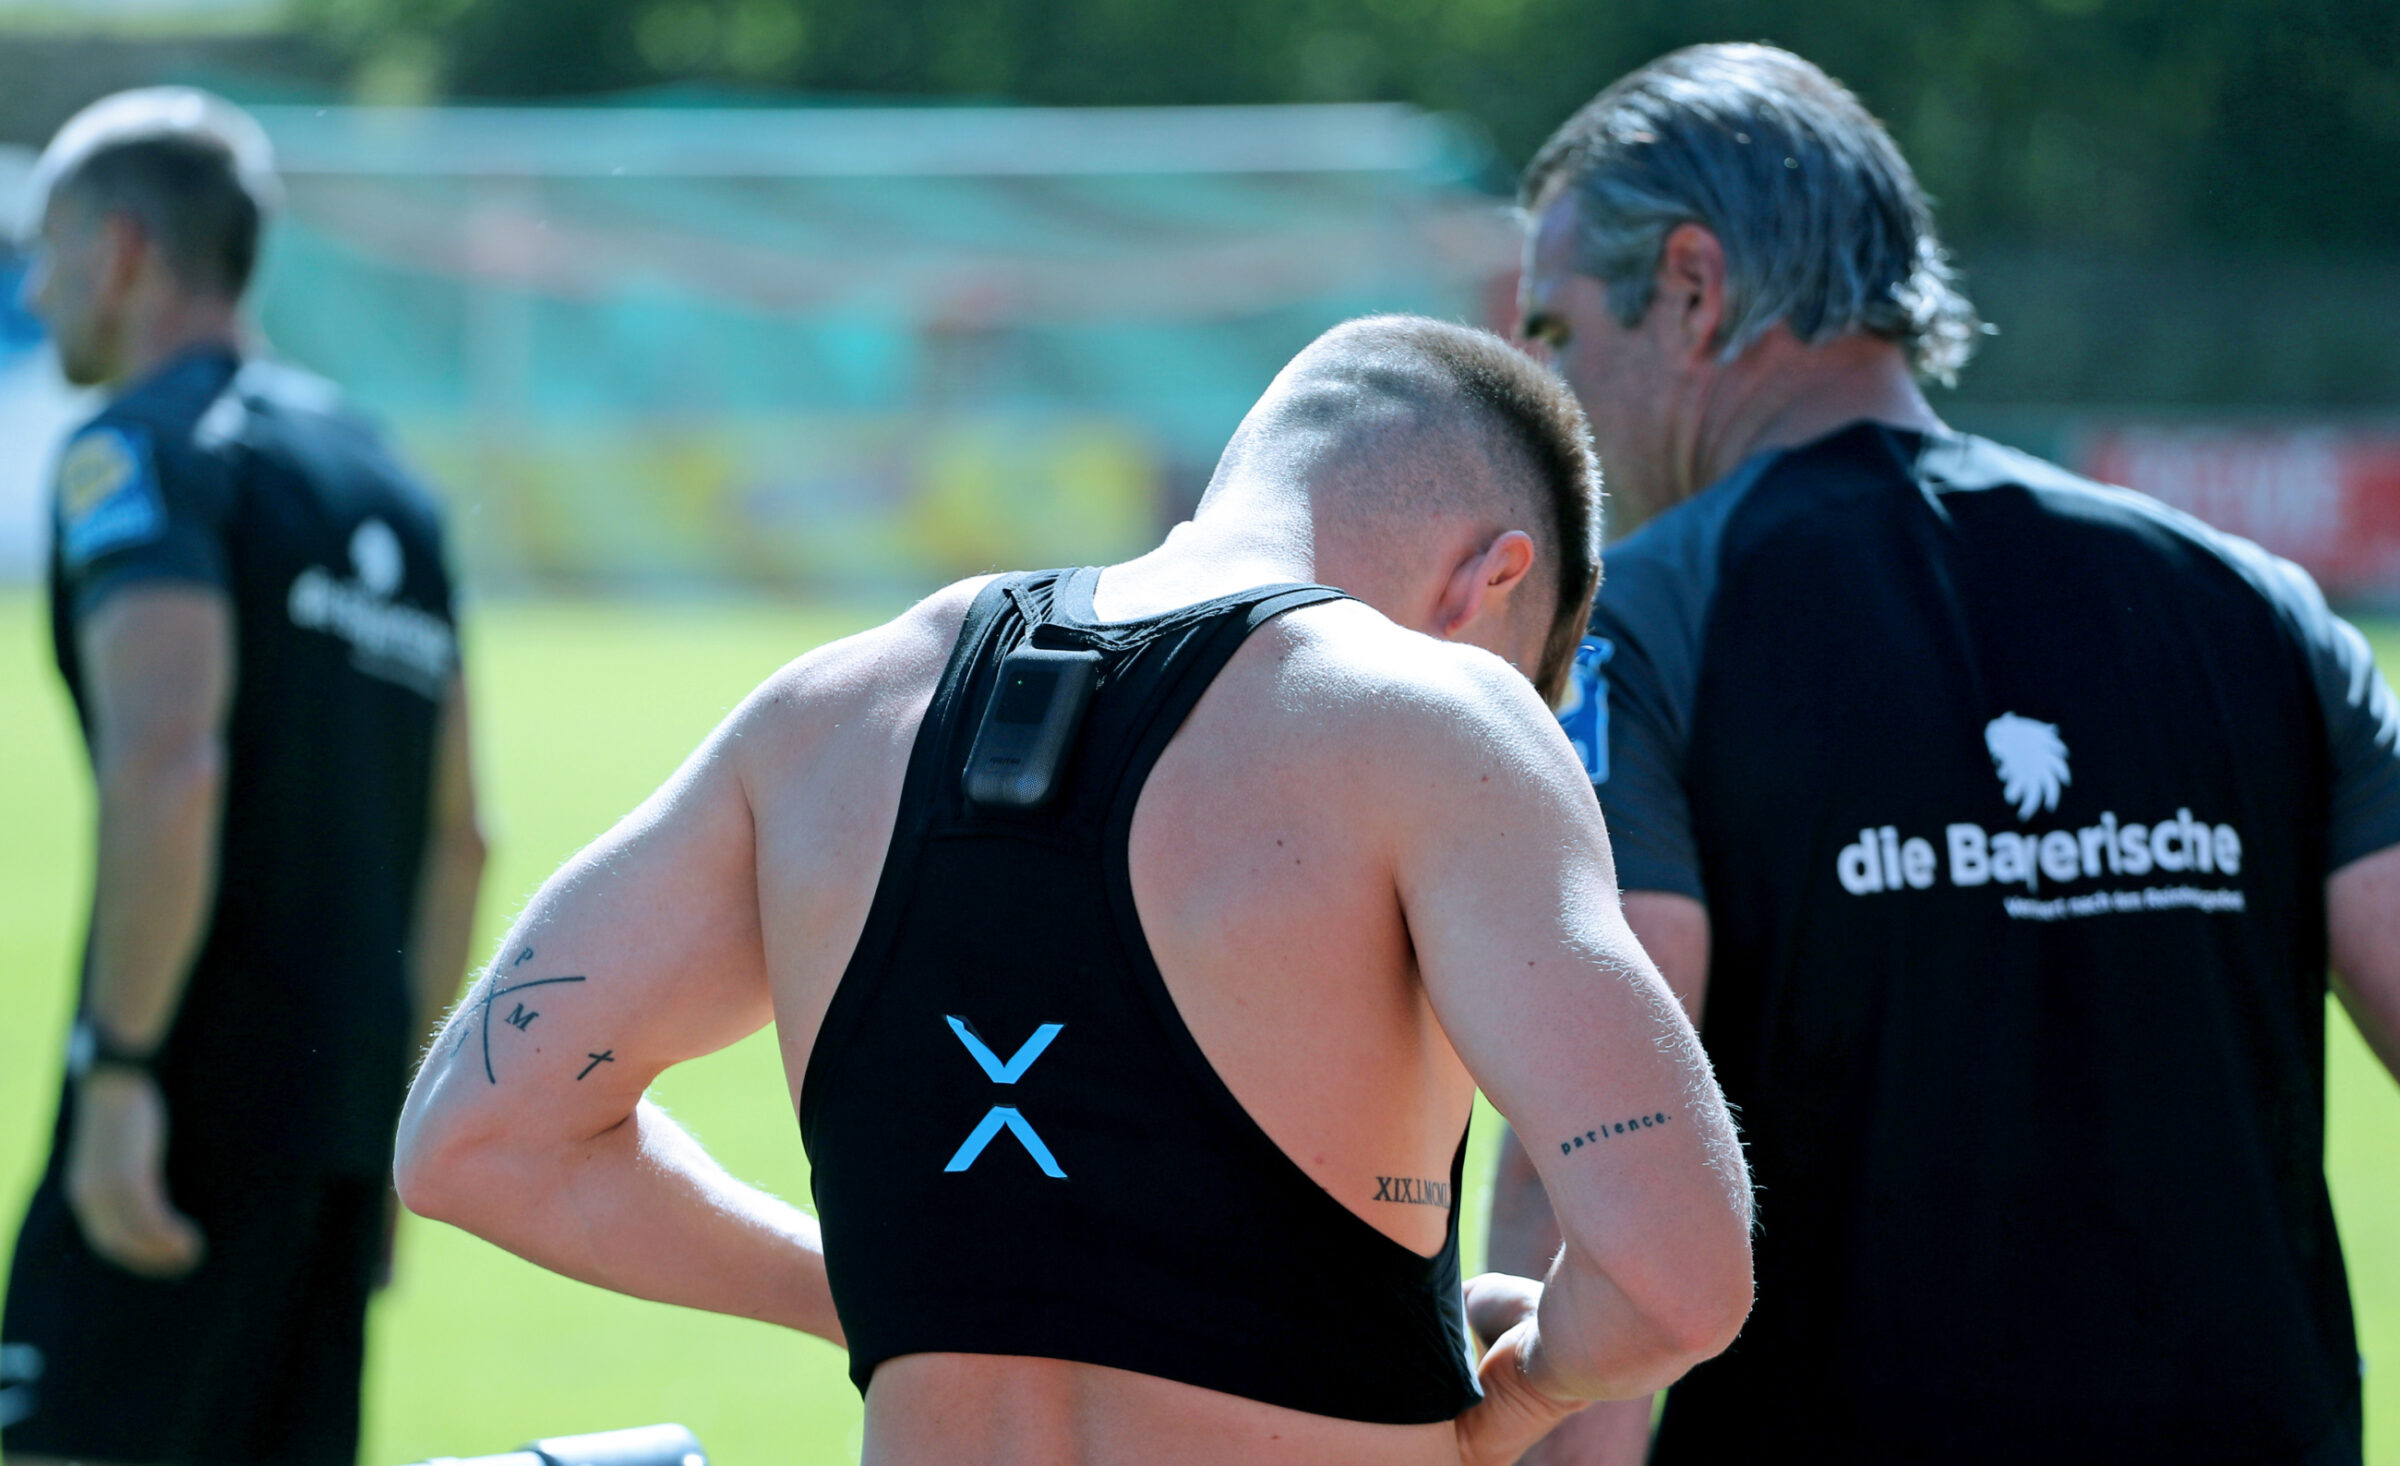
{"type": "Point", "coordinates": [1481, 583]}
{"type": "Point", "coordinates": [124, 248]}
{"type": "Point", "coordinates": [1690, 301]}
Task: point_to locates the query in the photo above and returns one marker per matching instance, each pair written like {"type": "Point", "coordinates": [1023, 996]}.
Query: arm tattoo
{"type": "Point", "coordinates": [1611, 1128]}
{"type": "Point", "coordinates": [519, 1017]}
{"type": "Point", "coordinates": [1412, 1190]}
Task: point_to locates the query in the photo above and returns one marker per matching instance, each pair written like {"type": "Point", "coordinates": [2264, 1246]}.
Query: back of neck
{"type": "Point", "coordinates": [189, 326]}
{"type": "Point", "coordinates": [1796, 394]}
{"type": "Point", "coordinates": [1228, 547]}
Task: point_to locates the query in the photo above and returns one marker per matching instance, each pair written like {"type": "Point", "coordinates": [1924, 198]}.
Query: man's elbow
{"type": "Point", "coordinates": [446, 1172]}
{"type": "Point", "coordinates": [467, 848]}
{"type": "Point", "coordinates": [1686, 1303]}
{"type": "Point", "coordinates": [421, 1174]}
{"type": "Point", "coordinates": [1700, 1318]}
{"type": "Point", "coordinates": [167, 772]}
{"type": "Point", "coordinates": [1708, 1323]}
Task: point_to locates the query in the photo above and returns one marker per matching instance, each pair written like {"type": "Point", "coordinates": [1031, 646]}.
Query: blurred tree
{"type": "Point", "coordinates": [2119, 125]}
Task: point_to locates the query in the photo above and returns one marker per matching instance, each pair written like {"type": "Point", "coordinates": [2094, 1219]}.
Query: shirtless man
{"type": "Point", "coordinates": [1135, 1103]}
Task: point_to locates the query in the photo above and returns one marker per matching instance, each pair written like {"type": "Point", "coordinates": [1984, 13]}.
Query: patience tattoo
{"type": "Point", "coordinates": [1650, 1121]}
{"type": "Point", "coordinates": [519, 1017]}
{"type": "Point", "coordinates": [1412, 1190]}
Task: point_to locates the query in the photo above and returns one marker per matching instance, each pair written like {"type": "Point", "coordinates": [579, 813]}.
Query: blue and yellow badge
{"type": "Point", "coordinates": [107, 494]}
{"type": "Point", "coordinates": [1585, 712]}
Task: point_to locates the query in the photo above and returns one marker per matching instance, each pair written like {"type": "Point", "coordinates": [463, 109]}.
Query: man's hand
{"type": "Point", "coordinates": [1516, 1411]}
{"type": "Point", "coordinates": [116, 1176]}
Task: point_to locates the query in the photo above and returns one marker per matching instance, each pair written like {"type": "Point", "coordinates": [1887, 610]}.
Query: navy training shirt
{"type": "Point", "coordinates": [2012, 799]}
{"type": "Point", "coordinates": [291, 1048]}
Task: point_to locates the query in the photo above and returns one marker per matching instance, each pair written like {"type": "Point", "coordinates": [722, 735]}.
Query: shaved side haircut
{"type": "Point", "coordinates": [195, 174]}
{"type": "Point", "coordinates": [188, 196]}
{"type": "Point", "coordinates": [1405, 414]}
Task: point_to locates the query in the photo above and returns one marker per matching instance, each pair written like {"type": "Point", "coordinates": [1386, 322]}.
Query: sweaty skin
{"type": "Point", "coordinates": [1374, 878]}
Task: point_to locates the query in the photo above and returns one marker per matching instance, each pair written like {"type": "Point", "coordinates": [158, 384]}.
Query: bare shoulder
{"type": "Point", "coordinates": [1417, 705]}
{"type": "Point", "coordinates": [876, 681]}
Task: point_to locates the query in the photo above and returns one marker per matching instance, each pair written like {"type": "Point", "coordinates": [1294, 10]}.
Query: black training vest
{"type": "Point", "coordinates": [1016, 1145]}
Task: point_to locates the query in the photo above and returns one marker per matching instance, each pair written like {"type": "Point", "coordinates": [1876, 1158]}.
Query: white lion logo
{"type": "Point", "coordinates": [375, 555]}
{"type": "Point", "coordinates": [2032, 760]}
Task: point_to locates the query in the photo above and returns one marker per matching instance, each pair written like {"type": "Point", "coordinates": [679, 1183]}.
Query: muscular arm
{"type": "Point", "coordinates": [1673, 929]}
{"type": "Point", "coordinates": [528, 1124]}
{"type": "Point", "coordinates": [1565, 1023]}
{"type": "Point", "coordinates": [2362, 911]}
{"type": "Point", "coordinates": [453, 873]}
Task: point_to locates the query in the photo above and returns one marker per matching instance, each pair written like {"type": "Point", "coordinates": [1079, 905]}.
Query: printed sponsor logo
{"type": "Point", "coordinates": [1005, 1117]}
{"type": "Point", "coordinates": [375, 555]}
{"type": "Point", "coordinates": [388, 639]}
{"type": "Point", "coordinates": [107, 498]}
{"type": "Point", "coordinates": [92, 471]}
{"type": "Point", "coordinates": [2031, 761]}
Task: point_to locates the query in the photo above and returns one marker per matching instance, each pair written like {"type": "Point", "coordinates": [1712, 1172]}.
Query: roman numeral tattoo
{"type": "Point", "coordinates": [1413, 1191]}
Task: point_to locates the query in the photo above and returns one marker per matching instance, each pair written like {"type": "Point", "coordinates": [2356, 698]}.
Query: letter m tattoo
{"type": "Point", "coordinates": [1005, 1117]}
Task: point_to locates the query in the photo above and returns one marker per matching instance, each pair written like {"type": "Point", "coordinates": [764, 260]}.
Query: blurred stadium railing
{"type": "Point", "coordinates": [846, 351]}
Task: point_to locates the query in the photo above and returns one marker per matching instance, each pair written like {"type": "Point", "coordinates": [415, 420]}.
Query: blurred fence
{"type": "Point", "coordinates": [835, 349]}
{"type": "Point", "coordinates": [844, 350]}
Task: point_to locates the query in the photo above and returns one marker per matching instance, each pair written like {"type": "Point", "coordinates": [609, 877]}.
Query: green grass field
{"type": "Point", "coordinates": [582, 710]}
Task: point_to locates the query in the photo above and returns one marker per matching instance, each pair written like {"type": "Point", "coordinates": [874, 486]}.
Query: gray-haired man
{"type": "Point", "coordinates": [2005, 823]}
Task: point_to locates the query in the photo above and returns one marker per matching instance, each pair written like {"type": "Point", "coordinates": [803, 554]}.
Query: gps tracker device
{"type": "Point", "coordinates": [1029, 727]}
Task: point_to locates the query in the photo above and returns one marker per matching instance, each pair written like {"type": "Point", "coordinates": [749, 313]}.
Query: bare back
{"type": "Point", "coordinates": [1367, 866]}
{"type": "Point", "coordinates": [1261, 859]}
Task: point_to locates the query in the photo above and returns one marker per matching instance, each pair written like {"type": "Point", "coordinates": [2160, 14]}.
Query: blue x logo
{"type": "Point", "coordinates": [1005, 1117]}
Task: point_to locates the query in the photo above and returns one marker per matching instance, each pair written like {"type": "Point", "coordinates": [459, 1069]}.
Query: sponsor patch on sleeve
{"type": "Point", "coordinates": [108, 496]}
{"type": "Point", "coordinates": [1584, 714]}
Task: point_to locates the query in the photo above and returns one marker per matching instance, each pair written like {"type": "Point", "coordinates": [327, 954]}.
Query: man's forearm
{"type": "Point", "coordinates": [640, 1208]}
{"type": "Point", "coordinates": [1523, 1235]}
{"type": "Point", "coordinates": [1610, 1433]}
{"type": "Point", "coordinates": [2362, 916]}
{"type": "Point", "coordinates": [2376, 1014]}
{"type": "Point", "coordinates": [1617, 1354]}
{"type": "Point", "coordinates": [155, 878]}
{"type": "Point", "coordinates": [1523, 1239]}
